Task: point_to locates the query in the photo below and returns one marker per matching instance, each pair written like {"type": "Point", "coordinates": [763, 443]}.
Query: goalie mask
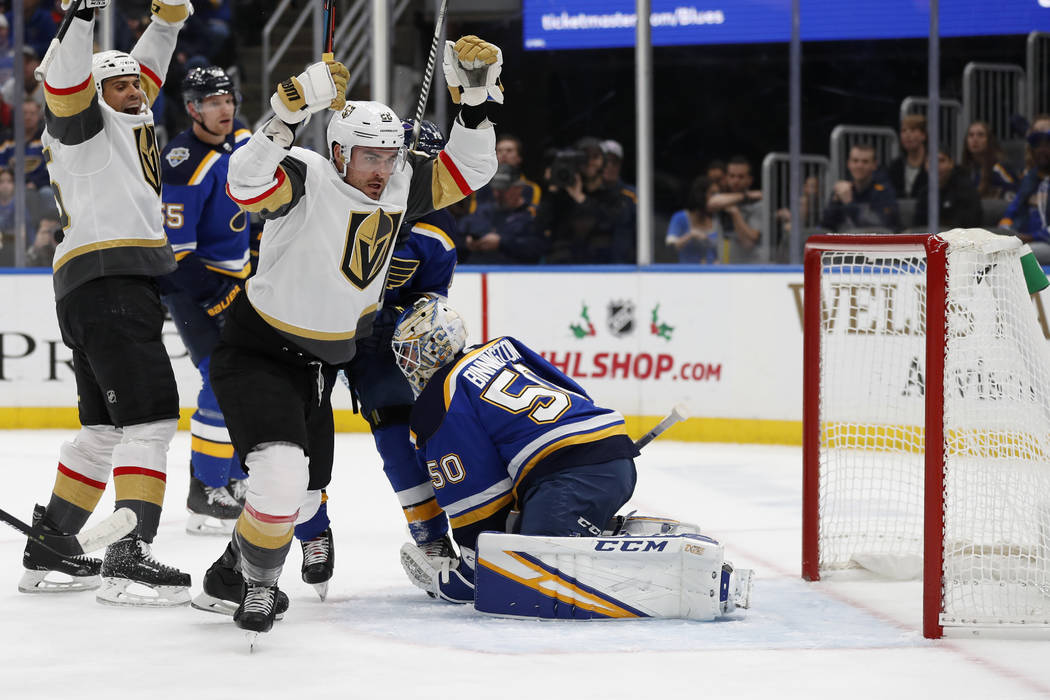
{"type": "Point", "coordinates": [370, 124]}
{"type": "Point", "coordinates": [110, 64]}
{"type": "Point", "coordinates": [428, 336]}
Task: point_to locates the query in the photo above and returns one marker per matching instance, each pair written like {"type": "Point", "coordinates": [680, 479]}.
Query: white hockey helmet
{"type": "Point", "coordinates": [365, 124]}
{"type": "Point", "coordinates": [110, 64]}
{"type": "Point", "coordinates": [427, 337]}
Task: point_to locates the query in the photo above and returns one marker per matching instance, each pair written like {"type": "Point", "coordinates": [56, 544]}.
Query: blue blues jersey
{"type": "Point", "coordinates": [425, 261]}
{"type": "Point", "coordinates": [496, 419]}
{"type": "Point", "coordinates": [199, 216]}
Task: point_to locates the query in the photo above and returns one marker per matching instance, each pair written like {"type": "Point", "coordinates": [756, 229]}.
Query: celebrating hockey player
{"type": "Point", "coordinates": [105, 169]}
{"type": "Point", "coordinates": [500, 430]}
{"type": "Point", "coordinates": [325, 251]}
{"type": "Point", "coordinates": [423, 265]}
{"type": "Point", "coordinates": [210, 237]}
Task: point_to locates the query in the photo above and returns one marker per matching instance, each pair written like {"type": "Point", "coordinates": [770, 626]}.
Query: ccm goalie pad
{"type": "Point", "coordinates": [578, 578]}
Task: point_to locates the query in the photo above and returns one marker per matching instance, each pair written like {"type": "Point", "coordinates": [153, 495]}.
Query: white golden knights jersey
{"type": "Point", "coordinates": [326, 247]}
{"type": "Point", "coordinates": [105, 165]}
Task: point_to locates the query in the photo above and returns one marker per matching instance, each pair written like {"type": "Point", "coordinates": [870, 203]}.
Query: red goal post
{"type": "Point", "coordinates": [926, 423]}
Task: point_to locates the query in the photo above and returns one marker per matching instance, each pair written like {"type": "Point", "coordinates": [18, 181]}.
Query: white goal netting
{"type": "Point", "coordinates": [996, 422]}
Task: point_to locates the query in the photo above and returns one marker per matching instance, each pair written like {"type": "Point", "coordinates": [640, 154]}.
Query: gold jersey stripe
{"type": "Point", "coordinates": [423, 511]}
{"type": "Point", "coordinates": [203, 167]}
{"type": "Point", "coordinates": [264, 535]}
{"type": "Point", "coordinates": [307, 333]}
{"type": "Point", "coordinates": [582, 438]}
{"type": "Point", "coordinates": [481, 513]}
{"type": "Point", "coordinates": [105, 245]}
{"type": "Point", "coordinates": [449, 245]}
{"type": "Point", "coordinates": [445, 185]}
{"type": "Point", "coordinates": [212, 449]}
{"type": "Point", "coordinates": [69, 101]}
{"type": "Point", "coordinates": [138, 487]}
{"type": "Point", "coordinates": [77, 492]}
{"type": "Point", "coordinates": [150, 83]}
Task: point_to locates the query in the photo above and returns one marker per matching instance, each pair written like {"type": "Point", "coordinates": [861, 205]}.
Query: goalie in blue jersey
{"type": "Point", "coordinates": [513, 445]}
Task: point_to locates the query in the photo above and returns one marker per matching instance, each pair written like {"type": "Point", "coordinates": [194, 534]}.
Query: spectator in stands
{"type": "Point", "coordinates": [613, 152]}
{"type": "Point", "coordinates": [34, 89]}
{"type": "Point", "coordinates": [983, 159]}
{"type": "Point", "coordinates": [907, 172]}
{"type": "Point", "coordinates": [7, 58]}
{"type": "Point", "coordinates": [1027, 214]}
{"type": "Point", "coordinates": [585, 221]}
{"type": "Point", "coordinates": [693, 232]}
{"type": "Point", "coordinates": [861, 204]}
{"type": "Point", "coordinates": [506, 232]}
{"type": "Point", "coordinates": [38, 207]}
{"type": "Point", "coordinates": [36, 167]}
{"type": "Point", "coordinates": [40, 27]}
{"type": "Point", "coordinates": [42, 251]}
{"type": "Point", "coordinates": [739, 211]}
{"type": "Point", "coordinates": [809, 209]}
{"type": "Point", "coordinates": [716, 173]}
{"type": "Point", "coordinates": [960, 202]}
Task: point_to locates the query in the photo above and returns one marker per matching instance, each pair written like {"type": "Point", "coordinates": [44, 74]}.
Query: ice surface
{"type": "Point", "coordinates": [377, 636]}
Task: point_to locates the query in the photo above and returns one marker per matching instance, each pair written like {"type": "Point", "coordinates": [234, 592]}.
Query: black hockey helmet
{"type": "Point", "coordinates": [431, 140]}
{"type": "Point", "coordinates": [202, 82]}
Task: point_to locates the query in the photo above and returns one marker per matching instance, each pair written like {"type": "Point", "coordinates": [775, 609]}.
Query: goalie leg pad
{"type": "Point", "coordinates": [678, 576]}
{"type": "Point", "coordinates": [647, 525]}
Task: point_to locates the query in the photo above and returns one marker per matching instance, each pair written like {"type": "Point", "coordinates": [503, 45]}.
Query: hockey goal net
{"type": "Point", "coordinates": [926, 423]}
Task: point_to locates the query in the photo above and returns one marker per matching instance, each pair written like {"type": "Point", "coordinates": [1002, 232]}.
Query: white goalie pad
{"type": "Point", "coordinates": [675, 576]}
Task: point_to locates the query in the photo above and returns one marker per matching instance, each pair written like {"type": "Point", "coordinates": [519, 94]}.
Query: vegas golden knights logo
{"type": "Point", "coordinates": [149, 155]}
{"type": "Point", "coordinates": [369, 238]}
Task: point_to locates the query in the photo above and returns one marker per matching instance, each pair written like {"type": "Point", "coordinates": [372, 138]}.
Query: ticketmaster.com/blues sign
{"type": "Point", "coordinates": [588, 24]}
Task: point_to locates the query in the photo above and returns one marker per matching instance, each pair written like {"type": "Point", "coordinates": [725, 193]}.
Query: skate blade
{"type": "Point", "coordinates": [205, 525]}
{"type": "Point", "coordinates": [38, 582]}
{"type": "Point", "coordinates": [212, 604]}
{"type": "Point", "coordinates": [251, 636]}
{"type": "Point", "coordinates": [742, 594]}
{"type": "Point", "coordinates": [114, 591]}
{"type": "Point", "coordinates": [322, 589]}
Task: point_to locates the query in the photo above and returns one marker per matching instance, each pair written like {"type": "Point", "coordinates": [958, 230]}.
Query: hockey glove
{"type": "Point", "coordinates": [173, 13]}
{"type": "Point", "coordinates": [449, 579]}
{"type": "Point", "coordinates": [86, 4]}
{"type": "Point", "coordinates": [383, 326]}
{"type": "Point", "coordinates": [321, 86]}
{"type": "Point", "coordinates": [472, 67]}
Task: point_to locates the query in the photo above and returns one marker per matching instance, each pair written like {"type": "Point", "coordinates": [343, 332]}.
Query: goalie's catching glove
{"type": "Point", "coordinates": [321, 86]}
{"type": "Point", "coordinates": [472, 67]}
{"type": "Point", "coordinates": [173, 13]}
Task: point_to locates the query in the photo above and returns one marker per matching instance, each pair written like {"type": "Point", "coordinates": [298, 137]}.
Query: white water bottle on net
{"type": "Point", "coordinates": [927, 423]}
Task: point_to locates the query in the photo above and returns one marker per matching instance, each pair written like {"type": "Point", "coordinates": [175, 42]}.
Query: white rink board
{"type": "Point", "coordinates": [734, 352]}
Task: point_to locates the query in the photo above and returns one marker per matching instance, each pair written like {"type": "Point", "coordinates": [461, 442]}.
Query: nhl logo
{"type": "Point", "coordinates": [621, 317]}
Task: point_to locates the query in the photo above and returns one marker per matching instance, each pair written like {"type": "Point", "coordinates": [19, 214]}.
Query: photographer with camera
{"type": "Point", "coordinates": [584, 220]}
{"type": "Point", "coordinates": [503, 232]}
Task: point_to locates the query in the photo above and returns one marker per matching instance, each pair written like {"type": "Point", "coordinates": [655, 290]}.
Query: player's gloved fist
{"type": "Point", "coordinates": [383, 326]}
{"type": "Point", "coordinates": [173, 13]}
{"type": "Point", "coordinates": [319, 87]}
{"type": "Point", "coordinates": [216, 305]}
{"type": "Point", "coordinates": [472, 67]}
{"type": "Point", "coordinates": [86, 4]}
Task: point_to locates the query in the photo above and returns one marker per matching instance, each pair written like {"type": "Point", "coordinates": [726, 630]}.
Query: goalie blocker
{"type": "Point", "coordinates": [661, 576]}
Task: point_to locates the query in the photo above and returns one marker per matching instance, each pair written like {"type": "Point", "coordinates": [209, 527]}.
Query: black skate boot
{"type": "Point", "coordinates": [224, 586]}
{"type": "Point", "coordinates": [257, 610]}
{"type": "Point", "coordinates": [48, 572]}
{"type": "Point", "coordinates": [213, 511]}
{"type": "Point", "coordinates": [238, 488]}
{"type": "Point", "coordinates": [130, 561]}
{"type": "Point", "coordinates": [319, 561]}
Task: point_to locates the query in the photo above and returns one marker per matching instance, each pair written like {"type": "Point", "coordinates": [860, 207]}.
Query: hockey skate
{"type": "Point", "coordinates": [736, 588]}
{"type": "Point", "coordinates": [224, 588]}
{"type": "Point", "coordinates": [238, 488]}
{"type": "Point", "coordinates": [257, 610]}
{"type": "Point", "coordinates": [129, 561]}
{"type": "Point", "coordinates": [319, 561]}
{"type": "Point", "coordinates": [213, 511]}
{"type": "Point", "coordinates": [48, 572]}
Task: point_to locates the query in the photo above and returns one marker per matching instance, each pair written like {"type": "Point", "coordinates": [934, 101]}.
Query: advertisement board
{"type": "Point", "coordinates": [590, 24]}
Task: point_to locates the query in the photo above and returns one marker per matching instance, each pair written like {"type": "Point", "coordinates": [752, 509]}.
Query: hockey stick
{"type": "Point", "coordinates": [428, 75]}
{"type": "Point", "coordinates": [328, 19]}
{"type": "Point", "coordinates": [679, 413]}
{"type": "Point", "coordinates": [120, 523]}
{"type": "Point", "coordinates": [49, 55]}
